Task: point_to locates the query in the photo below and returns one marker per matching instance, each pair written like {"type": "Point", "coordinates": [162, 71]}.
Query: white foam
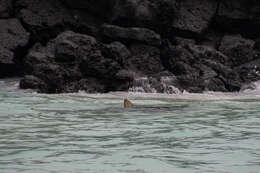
{"type": "Point", "coordinates": [252, 87]}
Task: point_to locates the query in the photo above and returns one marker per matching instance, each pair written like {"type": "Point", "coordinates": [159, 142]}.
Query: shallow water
{"type": "Point", "coordinates": [75, 133]}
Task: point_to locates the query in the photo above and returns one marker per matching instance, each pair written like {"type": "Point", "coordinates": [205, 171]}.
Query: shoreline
{"type": "Point", "coordinates": [11, 86]}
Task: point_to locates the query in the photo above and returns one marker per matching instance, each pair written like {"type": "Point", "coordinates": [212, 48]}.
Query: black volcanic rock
{"type": "Point", "coordinates": [34, 58]}
{"type": "Point", "coordinates": [73, 43]}
{"type": "Point", "coordinates": [6, 8]}
{"type": "Point", "coordinates": [6, 56]}
{"type": "Point", "coordinates": [153, 14]}
{"type": "Point", "coordinates": [13, 39]}
{"type": "Point", "coordinates": [177, 54]}
{"type": "Point", "coordinates": [86, 50]}
{"type": "Point", "coordinates": [257, 44]}
{"type": "Point", "coordinates": [72, 57]}
{"type": "Point", "coordinates": [97, 66]}
{"type": "Point", "coordinates": [183, 41]}
{"type": "Point", "coordinates": [216, 84]}
{"type": "Point", "coordinates": [44, 18]}
{"type": "Point", "coordinates": [117, 51]}
{"type": "Point", "coordinates": [229, 77]}
{"type": "Point", "coordinates": [100, 8]}
{"type": "Point", "coordinates": [241, 16]}
{"type": "Point", "coordinates": [12, 34]}
{"type": "Point", "coordinates": [202, 68]}
{"type": "Point", "coordinates": [32, 82]}
{"type": "Point", "coordinates": [238, 49]}
{"type": "Point", "coordinates": [194, 15]}
{"type": "Point", "coordinates": [145, 59]}
{"type": "Point", "coordinates": [104, 45]}
{"type": "Point", "coordinates": [7, 64]}
{"type": "Point", "coordinates": [123, 34]}
{"type": "Point", "coordinates": [205, 52]}
{"type": "Point", "coordinates": [53, 75]}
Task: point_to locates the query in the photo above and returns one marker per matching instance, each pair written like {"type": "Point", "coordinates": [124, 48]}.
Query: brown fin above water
{"type": "Point", "coordinates": [127, 103]}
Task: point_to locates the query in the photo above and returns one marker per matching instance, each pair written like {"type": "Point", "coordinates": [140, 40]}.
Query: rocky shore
{"type": "Point", "coordinates": [105, 45]}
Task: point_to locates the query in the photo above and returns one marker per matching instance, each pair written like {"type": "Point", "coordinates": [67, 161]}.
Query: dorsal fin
{"type": "Point", "coordinates": [127, 103]}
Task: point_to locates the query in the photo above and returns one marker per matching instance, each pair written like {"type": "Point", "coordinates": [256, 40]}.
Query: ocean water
{"type": "Point", "coordinates": [93, 133]}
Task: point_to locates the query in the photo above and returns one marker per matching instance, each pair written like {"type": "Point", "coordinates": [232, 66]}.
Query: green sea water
{"type": "Point", "coordinates": [93, 133]}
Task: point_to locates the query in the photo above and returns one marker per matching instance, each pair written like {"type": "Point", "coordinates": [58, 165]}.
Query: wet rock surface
{"type": "Point", "coordinates": [113, 45]}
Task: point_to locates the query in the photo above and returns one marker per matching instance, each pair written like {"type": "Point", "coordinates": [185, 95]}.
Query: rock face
{"type": "Point", "coordinates": [97, 7]}
{"type": "Point", "coordinates": [13, 39]}
{"type": "Point", "coordinates": [6, 8]}
{"type": "Point", "coordinates": [239, 16]}
{"type": "Point", "coordinates": [145, 59]}
{"type": "Point", "coordinates": [71, 59]}
{"type": "Point", "coordinates": [132, 34]}
{"type": "Point", "coordinates": [195, 15]}
{"type": "Point", "coordinates": [147, 45]}
{"type": "Point", "coordinates": [238, 49]}
{"type": "Point", "coordinates": [153, 14]}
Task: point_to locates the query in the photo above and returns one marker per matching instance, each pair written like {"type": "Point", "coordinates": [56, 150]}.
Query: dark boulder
{"type": "Point", "coordinates": [12, 34]}
{"type": "Point", "coordinates": [87, 53]}
{"type": "Point", "coordinates": [200, 68]}
{"type": "Point", "coordinates": [183, 41]}
{"type": "Point", "coordinates": [32, 82]}
{"type": "Point", "coordinates": [6, 8]}
{"type": "Point", "coordinates": [145, 59]}
{"type": "Point", "coordinates": [65, 51]}
{"type": "Point", "coordinates": [257, 45]}
{"type": "Point", "coordinates": [229, 77]}
{"type": "Point", "coordinates": [205, 72]}
{"type": "Point", "coordinates": [117, 51]}
{"type": "Point", "coordinates": [211, 38]}
{"type": "Point", "coordinates": [13, 39]}
{"type": "Point", "coordinates": [216, 84]}
{"type": "Point", "coordinates": [194, 16]}
{"type": "Point", "coordinates": [34, 58]}
{"type": "Point", "coordinates": [72, 57]}
{"type": "Point", "coordinates": [53, 75]}
{"type": "Point", "coordinates": [44, 56]}
{"type": "Point", "coordinates": [240, 16]}
{"type": "Point", "coordinates": [97, 66]}
{"type": "Point", "coordinates": [43, 18]}
{"type": "Point", "coordinates": [153, 14]}
{"type": "Point", "coordinates": [238, 49]}
{"type": "Point", "coordinates": [173, 54]}
{"type": "Point", "coordinates": [6, 56]}
{"type": "Point", "coordinates": [206, 52]}
{"type": "Point", "coordinates": [7, 64]}
{"type": "Point", "coordinates": [142, 35]}
{"type": "Point", "coordinates": [73, 45]}
{"type": "Point", "coordinates": [99, 8]}
{"type": "Point", "coordinates": [182, 68]}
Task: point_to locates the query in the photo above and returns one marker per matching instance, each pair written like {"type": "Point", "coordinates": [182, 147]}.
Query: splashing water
{"type": "Point", "coordinates": [153, 85]}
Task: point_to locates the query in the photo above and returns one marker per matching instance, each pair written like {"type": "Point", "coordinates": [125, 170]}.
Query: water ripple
{"type": "Point", "coordinates": [81, 133]}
